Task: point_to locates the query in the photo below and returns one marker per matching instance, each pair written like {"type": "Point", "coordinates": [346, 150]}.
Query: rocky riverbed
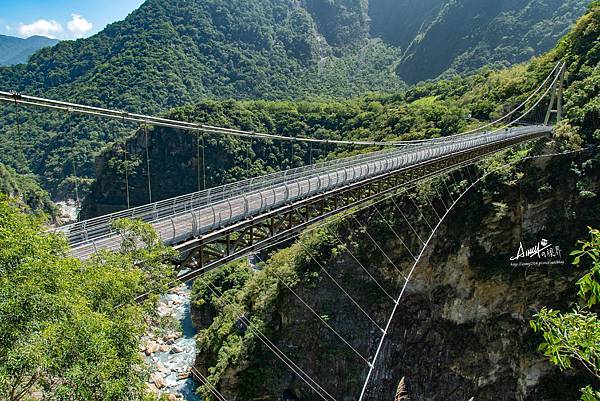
{"type": "Point", "coordinates": [170, 349]}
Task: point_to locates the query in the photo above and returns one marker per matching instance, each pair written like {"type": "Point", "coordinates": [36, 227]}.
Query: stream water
{"type": "Point", "coordinates": [173, 358]}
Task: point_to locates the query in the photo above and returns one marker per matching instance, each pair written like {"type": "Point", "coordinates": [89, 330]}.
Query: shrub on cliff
{"type": "Point", "coordinates": [573, 338]}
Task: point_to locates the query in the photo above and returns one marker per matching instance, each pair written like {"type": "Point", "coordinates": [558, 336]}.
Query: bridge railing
{"type": "Point", "coordinates": [86, 230]}
{"type": "Point", "coordinates": [191, 219]}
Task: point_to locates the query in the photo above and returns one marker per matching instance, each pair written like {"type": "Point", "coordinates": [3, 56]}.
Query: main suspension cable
{"type": "Point", "coordinates": [171, 123]}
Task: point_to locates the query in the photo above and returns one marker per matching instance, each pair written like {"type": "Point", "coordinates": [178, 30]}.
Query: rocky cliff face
{"type": "Point", "coordinates": [461, 329]}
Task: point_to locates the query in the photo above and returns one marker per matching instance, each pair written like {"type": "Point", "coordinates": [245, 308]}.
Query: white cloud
{"type": "Point", "coordinates": [78, 25]}
{"type": "Point", "coordinates": [41, 27]}
{"type": "Point", "coordinates": [7, 27]}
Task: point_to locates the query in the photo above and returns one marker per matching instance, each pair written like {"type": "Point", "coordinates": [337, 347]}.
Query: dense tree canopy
{"type": "Point", "coordinates": [70, 329]}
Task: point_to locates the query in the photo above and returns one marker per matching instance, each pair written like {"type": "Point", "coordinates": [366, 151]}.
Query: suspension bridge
{"type": "Point", "coordinates": [215, 226]}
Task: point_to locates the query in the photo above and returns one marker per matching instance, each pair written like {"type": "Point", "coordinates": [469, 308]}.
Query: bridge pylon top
{"type": "Point", "coordinates": [556, 99]}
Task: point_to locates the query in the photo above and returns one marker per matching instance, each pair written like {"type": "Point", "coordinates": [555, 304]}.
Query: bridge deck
{"type": "Point", "coordinates": [185, 217]}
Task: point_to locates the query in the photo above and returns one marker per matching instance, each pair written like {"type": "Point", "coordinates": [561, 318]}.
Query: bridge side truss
{"type": "Point", "coordinates": [226, 244]}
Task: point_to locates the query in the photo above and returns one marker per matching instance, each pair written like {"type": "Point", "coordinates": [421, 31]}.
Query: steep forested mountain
{"type": "Point", "coordinates": [173, 52]}
{"type": "Point", "coordinates": [16, 50]}
{"type": "Point", "coordinates": [461, 36]}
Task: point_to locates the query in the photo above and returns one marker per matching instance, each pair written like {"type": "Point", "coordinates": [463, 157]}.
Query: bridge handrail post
{"type": "Point", "coordinates": [230, 211]}
{"type": "Point", "coordinates": [246, 207]}
{"type": "Point", "coordinates": [194, 224]}
{"type": "Point", "coordinates": [262, 201]}
{"type": "Point", "coordinates": [191, 202]}
{"type": "Point", "coordinates": [174, 230]}
{"type": "Point", "coordinates": [274, 197]}
{"type": "Point", "coordinates": [220, 219]}
{"type": "Point", "coordinates": [85, 232]}
{"type": "Point", "coordinates": [214, 216]}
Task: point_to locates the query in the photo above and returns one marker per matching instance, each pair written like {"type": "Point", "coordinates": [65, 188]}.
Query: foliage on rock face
{"type": "Point", "coordinates": [242, 298]}
{"type": "Point", "coordinates": [26, 190]}
{"type": "Point", "coordinates": [573, 338]}
{"type": "Point", "coordinates": [70, 329]}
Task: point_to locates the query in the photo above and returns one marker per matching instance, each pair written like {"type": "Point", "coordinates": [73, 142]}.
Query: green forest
{"type": "Point", "coordinates": [174, 53]}
{"type": "Point", "coordinates": [71, 329]}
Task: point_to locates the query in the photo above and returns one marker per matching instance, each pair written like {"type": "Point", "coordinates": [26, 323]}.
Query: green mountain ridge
{"type": "Point", "coordinates": [15, 50]}
{"type": "Point", "coordinates": [288, 49]}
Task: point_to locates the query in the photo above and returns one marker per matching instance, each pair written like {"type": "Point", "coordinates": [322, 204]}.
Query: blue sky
{"type": "Point", "coordinates": [61, 19]}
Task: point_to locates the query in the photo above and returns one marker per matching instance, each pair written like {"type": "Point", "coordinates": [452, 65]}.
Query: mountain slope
{"type": "Point", "coordinates": [468, 34]}
{"type": "Point", "coordinates": [16, 50]}
{"type": "Point", "coordinates": [173, 52]}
